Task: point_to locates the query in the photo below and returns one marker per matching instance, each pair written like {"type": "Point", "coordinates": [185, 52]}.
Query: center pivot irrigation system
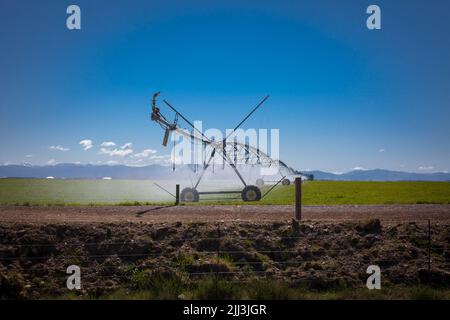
{"type": "Point", "coordinates": [232, 152]}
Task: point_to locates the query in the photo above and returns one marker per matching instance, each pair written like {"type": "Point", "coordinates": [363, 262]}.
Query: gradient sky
{"type": "Point", "coordinates": [342, 96]}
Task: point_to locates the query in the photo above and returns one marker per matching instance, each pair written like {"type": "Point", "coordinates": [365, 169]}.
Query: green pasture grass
{"type": "Point", "coordinates": [209, 289]}
{"type": "Point", "coordinates": [363, 192]}
{"type": "Point", "coordinates": [143, 192]}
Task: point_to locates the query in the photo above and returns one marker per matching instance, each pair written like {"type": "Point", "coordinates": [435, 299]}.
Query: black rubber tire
{"type": "Point", "coordinates": [189, 195]}
{"type": "Point", "coordinates": [251, 193]}
{"type": "Point", "coordinates": [259, 182]}
{"type": "Point", "coordinates": [286, 182]}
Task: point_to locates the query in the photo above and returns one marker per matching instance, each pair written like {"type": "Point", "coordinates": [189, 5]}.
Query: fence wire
{"type": "Point", "coordinates": [280, 262]}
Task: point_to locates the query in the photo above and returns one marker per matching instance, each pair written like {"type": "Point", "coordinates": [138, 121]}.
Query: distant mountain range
{"type": "Point", "coordinates": [380, 175]}
{"type": "Point", "coordinates": [88, 171]}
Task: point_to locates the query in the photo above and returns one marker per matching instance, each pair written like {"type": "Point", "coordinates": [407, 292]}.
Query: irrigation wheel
{"type": "Point", "coordinates": [259, 182]}
{"type": "Point", "coordinates": [286, 182]}
{"type": "Point", "coordinates": [251, 193]}
{"type": "Point", "coordinates": [189, 195]}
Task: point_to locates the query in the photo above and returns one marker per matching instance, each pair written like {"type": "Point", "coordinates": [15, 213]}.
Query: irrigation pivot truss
{"type": "Point", "coordinates": [230, 151]}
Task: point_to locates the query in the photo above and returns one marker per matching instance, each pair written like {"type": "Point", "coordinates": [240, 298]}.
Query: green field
{"type": "Point", "coordinates": [129, 192]}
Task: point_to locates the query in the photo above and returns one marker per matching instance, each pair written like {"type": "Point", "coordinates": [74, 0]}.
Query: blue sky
{"type": "Point", "coordinates": [342, 96]}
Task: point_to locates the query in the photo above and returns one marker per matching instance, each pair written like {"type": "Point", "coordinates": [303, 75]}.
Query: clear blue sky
{"type": "Point", "coordinates": [342, 96]}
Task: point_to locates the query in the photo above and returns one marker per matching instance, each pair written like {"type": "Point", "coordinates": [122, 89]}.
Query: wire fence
{"type": "Point", "coordinates": [294, 254]}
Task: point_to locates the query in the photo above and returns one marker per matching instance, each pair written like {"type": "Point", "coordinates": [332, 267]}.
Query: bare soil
{"type": "Point", "coordinates": [130, 248]}
{"type": "Point", "coordinates": [227, 213]}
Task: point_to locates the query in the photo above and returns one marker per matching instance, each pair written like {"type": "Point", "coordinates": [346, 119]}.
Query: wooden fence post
{"type": "Point", "coordinates": [177, 194]}
{"type": "Point", "coordinates": [298, 198]}
{"type": "Point", "coordinates": [429, 244]}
